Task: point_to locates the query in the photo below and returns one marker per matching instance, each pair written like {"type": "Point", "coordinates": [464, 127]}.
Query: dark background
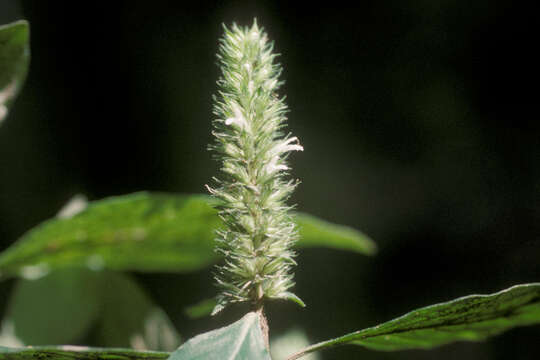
{"type": "Point", "coordinates": [418, 118]}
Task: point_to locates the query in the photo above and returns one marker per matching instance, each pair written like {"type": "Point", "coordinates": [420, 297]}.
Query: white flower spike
{"type": "Point", "coordinates": [259, 231]}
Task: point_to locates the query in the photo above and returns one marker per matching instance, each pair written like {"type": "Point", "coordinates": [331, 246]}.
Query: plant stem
{"type": "Point", "coordinates": [264, 326]}
{"type": "Point", "coordinates": [258, 307]}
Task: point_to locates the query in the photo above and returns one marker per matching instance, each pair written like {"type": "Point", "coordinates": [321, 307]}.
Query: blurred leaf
{"type": "Point", "coordinates": [315, 232]}
{"type": "Point", "coordinates": [64, 306]}
{"type": "Point", "coordinates": [201, 309]}
{"type": "Point", "coordinates": [145, 232]}
{"type": "Point", "coordinates": [129, 318]}
{"type": "Point", "coordinates": [14, 59]}
{"type": "Point", "coordinates": [290, 341]}
{"type": "Point", "coordinates": [141, 231]}
{"type": "Point", "coordinates": [294, 298]}
{"type": "Point", "coordinates": [158, 333]}
{"type": "Point", "coordinates": [56, 309]}
{"type": "Point", "coordinates": [7, 335]}
{"type": "Point", "coordinates": [74, 206]}
{"type": "Point", "coordinates": [242, 340]}
{"type": "Point", "coordinates": [470, 318]}
{"type": "Point", "coordinates": [68, 352]}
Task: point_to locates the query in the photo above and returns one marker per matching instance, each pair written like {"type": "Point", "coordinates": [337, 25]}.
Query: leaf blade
{"type": "Point", "coordinates": [68, 352]}
{"type": "Point", "coordinates": [242, 340]}
{"type": "Point", "coordinates": [14, 60]}
{"type": "Point", "coordinates": [469, 318]}
{"type": "Point", "coordinates": [153, 232]}
{"type": "Point", "coordinates": [140, 231]}
{"type": "Point", "coordinates": [68, 306]}
{"type": "Point", "coordinates": [74, 301]}
{"type": "Point", "coordinates": [316, 232]}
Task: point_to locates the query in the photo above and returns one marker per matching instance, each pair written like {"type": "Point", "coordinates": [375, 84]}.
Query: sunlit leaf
{"type": "Point", "coordinates": [77, 353]}
{"type": "Point", "coordinates": [470, 318]}
{"type": "Point", "coordinates": [145, 232]}
{"type": "Point", "coordinates": [242, 340]}
{"type": "Point", "coordinates": [141, 231]}
{"type": "Point", "coordinates": [14, 59]}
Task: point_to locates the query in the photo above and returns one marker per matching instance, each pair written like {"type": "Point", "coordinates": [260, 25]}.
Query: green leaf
{"type": "Point", "coordinates": [67, 352]}
{"type": "Point", "coordinates": [201, 309]}
{"type": "Point", "coordinates": [141, 231]}
{"type": "Point", "coordinates": [74, 301]}
{"type": "Point", "coordinates": [242, 340]}
{"type": "Point", "coordinates": [145, 232]}
{"type": "Point", "coordinates": [55, 309]}
{"type": "Point", "coordinates": [470, 318]}
{"type": "Point", "coordinates": [286, 343]}
{"type": "Point", "coordinates": [294, 298]}
{"type": "Point", "coordinates": [14, 59]}
{"type": "Point", "coordinates": [204, 307]}
{"type": "Point", "coordinates": [130, 319]}
{"type": "Point", "coordinates": [315, 232]}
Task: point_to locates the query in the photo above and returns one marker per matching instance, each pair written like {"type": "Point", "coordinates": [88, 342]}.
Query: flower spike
{"type": "Point", "coordinates": [252, 192]}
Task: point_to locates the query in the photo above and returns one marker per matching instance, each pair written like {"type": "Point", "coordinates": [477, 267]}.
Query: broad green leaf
{"type": "Point", "coordinates": [68, 352]}
{"type": "Point", "coordinates": [71, 302]}
{"type": "Point", "coordinates": [14, 59]}
{"type": "Point", "coordinates": [470, 318]}
{"type": "Point", "coordinates": [56, 309]}
{"type": "Point", "coordinates": [145, 232]}
{"type": "Point", "coordinates": [141, 231]}
{"type": "Point", "coordinates": [242, 340]}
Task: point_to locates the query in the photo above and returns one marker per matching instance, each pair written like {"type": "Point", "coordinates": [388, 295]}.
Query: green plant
{"type": "Point", "coordinates": [13, 62]}
{"type": "Point", "coordinates": [82, 251]}
{"type": "Point", "coordinates": [260, 232]}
